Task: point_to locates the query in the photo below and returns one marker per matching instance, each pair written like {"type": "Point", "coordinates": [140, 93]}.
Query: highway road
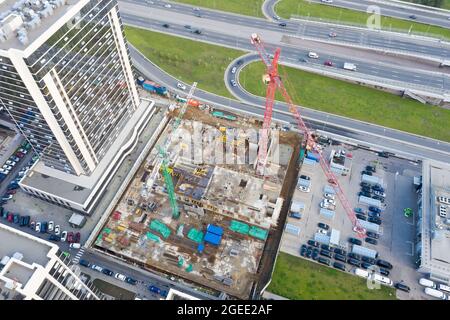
{"type": "Point", "coordinates": [416, 147]}
{"type": "Point", "coordinates": [401, 11]}
{"type": "Point", "coordinates": [319, 31]}
{"type": "Point", "coordinates": [404, 76]}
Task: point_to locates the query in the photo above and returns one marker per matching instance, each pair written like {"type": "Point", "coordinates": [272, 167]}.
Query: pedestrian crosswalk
{"type": "Point", "coordinates": [78, 255]}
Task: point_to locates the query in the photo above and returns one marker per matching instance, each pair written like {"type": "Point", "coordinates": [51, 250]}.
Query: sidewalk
{"type": "Point", "coordinates": [272, 296]}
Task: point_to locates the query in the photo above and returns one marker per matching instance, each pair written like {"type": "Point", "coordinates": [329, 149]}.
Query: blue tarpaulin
{"type": "Point", "coordinates": [214, 229]}
{"type": "Point", "coordinates": [212, 238]}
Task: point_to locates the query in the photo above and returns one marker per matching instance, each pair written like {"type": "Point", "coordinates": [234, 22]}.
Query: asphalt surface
{"type": "Point", "coordinates": [396, 10]}
{"type": "Point", "coordinates": [387, 139]}
{"type": "Point", "coordinates": [144, 278]}
{"type": "Point", "coordinates": [397, 75]}
{"type": "Point", "coordinates": [320, 31]}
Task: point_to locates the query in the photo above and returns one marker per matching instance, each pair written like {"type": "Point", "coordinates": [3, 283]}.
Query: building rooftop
{"type": "Point", "coordinates": [22, 21]}
{"type": "Point", "coordinates": [435, 228]}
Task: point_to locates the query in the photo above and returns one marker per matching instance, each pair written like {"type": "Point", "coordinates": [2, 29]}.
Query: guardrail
{"type": "Point", "coordinates": [429, 36]}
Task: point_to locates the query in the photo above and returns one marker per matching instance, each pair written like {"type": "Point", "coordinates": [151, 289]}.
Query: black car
{"type": "Point", "coordinates": [324, 261]}
{"type": "Point", "coordinates": [365, 194]}
{"type": "Point", "coordinates": [374, 209]}
{"type": "Point", "coordinates": [371, 241]}
{"type": "Point", "coordinates": [354, 256]}
{"type": "Point", "coordinates": [370, 168]}
{"type": "Point", "coordinates": [374, 220]}
{"type": "Point", "coordinates": [325, 247]}
{"type": "Point", "coordinates": [323, 226]}
{"type": "Point", "coordinates": [355, 241]}
{"type": "Point", "coordinates": [239, 62]}
{"type": "Point", "coordinates": [54, 237]}
{"type": "Point", "coordinates": [354, 262]}
{"type": "Point", "coordinates": [377, 187]}
{"type": "Point", "coordinates": [361, 216]}
{"type": "Point", "coordinates": [369, 260]}
{"type": "Point", "coordinates": [381, 199]}
{"type": "Point", "coordinates": [166, 25]}
{"type": "Point", "coordinates": [339, 266]}
{"type": "Point", "coordinates": [384, 264]}
{"type": "Point", "coordinates": [305, 177]}
{"type": "Point", "coordinates": [84, 263]}
{"type": "Point", "coordinates": [402, 287]}
{"type": "Point", "coordinates": [384, 272]}
{"type": "Point", "coordinates": [340, 251]}
{"type": "Point", "coordinates": [130, 281]}
{"type": "Point", "coordinates": [309, 253]}
{"type": "Point", "coordinates": [368, 173]}
{"type": "Point", "coordinates": [326, 253]}
{"type": "Point", "coordinates": [303, 253]}
{"type": "Point", "coordinates": [371, 234]}
{"type": "Point", "coordinates": [198, 31]}
{"type": "Point", "coordinates": [366, 189]}
{"type": "Point", "coordinates": [313, 243]}
{"type": "Point", "coordinates": [365, 184]}
{"type": "Point", "coordinates": [366, 265]}
{"type": "Point", "coordinates": [373, 214]}
{"type": "Point", "coordinates": [315, 254]}
{"type": "Point", "coordinates": [282, 24]}
{"type": "Point", "coordinates": [383, 154]}
{"type": "Point", "coordinates": [107, 272]}
{"type": "Point", "coordinates": [414, 17]}
{"type": "Point", "coordinates": [339, 257]}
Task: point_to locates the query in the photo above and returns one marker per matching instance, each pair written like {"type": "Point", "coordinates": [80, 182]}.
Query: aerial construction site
{"type": "Point", "coordinates": [225, 229]}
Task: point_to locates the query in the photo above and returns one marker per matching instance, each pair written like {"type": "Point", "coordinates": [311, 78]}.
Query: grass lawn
{"type": "Point", "coordinates": [285, 8]}
{"type": "Point", "coordinates": [445, 4]}
{"type": "Point", "coordinates": [184, 59]}
{"type": "Point", "coordinates": [354, 101]}
{"type": "Point", "coordinates": [298, 279]}
{"type": "Point", "coordinates": [246, 7]}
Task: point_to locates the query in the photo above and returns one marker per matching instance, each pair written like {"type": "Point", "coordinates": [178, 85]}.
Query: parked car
{"type": "Point", "coordinates": [54, 237]}
{"type": "Point", "coordinates": [371, 241]}
{"type": "Point", "coordinates": [325, 253]}
{"type": "Point", "coordinates": [379, 193]}
{"type": "Point", "coordinates": [368, 173]}
{"type": "Point", "coordinates": [44, 227]}
{"type": "Point", "coordinates": [354, 262]}
{"type": "Point", "coordinates": [75, 245]}
{"type": "Point", "coordinates": [315, 254]}
{"type": "Point", "coordinates": [370, 168]}
{"type": "Point", "coordinates": [361, 216]}
{"type": "Point", "coordinates": [374, 209]}
{"type": "Point", "coordinates": [359, 210]}
{"type": "Point", "coordinates": [328, 63]}
{"type": "Point", "coordinates": [38, 227]}
{"type": "Point", "coordinates": [10, 163]}
{"type": "Point", "coordinates": [77, 237]}
{"type": "Point", "coordinates": [84, 263]}
{"type": "Point", "coordinates": [16, 218]}
{"type": "Point", "coordinates": [96, 267]}
{"type": "Point", "coordinates": [4, 171]}
{"type": "Point", "coordinates": [354, 256]}
{"type": "Point", "coordinates": [324, 261]}
{"type": "Point", "coordinates": [70, 237]}
{"type": "Point", "coordinates": [130, 281]}
{"type": "Point", "coordinates": [375, 220]}
{"type": "Point", "coordinates": [57, 229]}
{"type": "Point", "coordinates": [369, 260]}
{"type": "Point", "coordinates": [305, 177]}
{"type": "Point", "coordinates": [329, 196]}
{"type": "Point", "coordinates": [7, 197]}
{"type": "Point", "coordinates": [64, 236]}
{"type": "Point", "coordinates": [154, 289]}
{"type": "Point", "coordinates": [340, 257]}
{"type": "Point", "coordinates": [355, 241]}
{"type": "Point", "coordinates": [181, 86]}
{"type": "Point", "coordinates": [402, 287]}
{"type": "Point", "coordinates": [340, 251]}
{"type": "Point", "coordinates": [323, 226]}
{"type": "Point", "coordinates": [313, 243]}
{"type": "Point", "coordinates": [365, 194]}
{"type": "Point", "coordinates": [339, 266]}
{"type": "Point", "coordinates": [374, 214]}
{"type": "Point", "coordinates": [51, 225]}
{"type": "Point", "coordinates": [120, 276]}
{"type": "Point", "coordinates": [373, 235]}
{"type": "Point", "coordinates": [384, 264]}
{"type": "Point", "coordinates": [295, 215]}
{"type": "Point", "coordinates": [384, 272]}
{"type": "Point", "coordinates": [107, 272]}
{"type": "Point", "coordinates": [377, 187]}
{"type": "Point", "coordinates": [325, 247]}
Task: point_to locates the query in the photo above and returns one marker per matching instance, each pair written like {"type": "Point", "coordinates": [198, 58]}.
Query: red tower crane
{"type": "Point", "coordinates": [273, 81]}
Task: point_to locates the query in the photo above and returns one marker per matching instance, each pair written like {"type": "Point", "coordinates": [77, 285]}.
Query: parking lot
{"type": "Point", "coordinates": [396, 235]}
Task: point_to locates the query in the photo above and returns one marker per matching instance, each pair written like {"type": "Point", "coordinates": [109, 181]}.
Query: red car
{"type": "Point", "coordinates": [77, 237]}
{"type": "Point", "coordinates": [19, 154]}
{"type": "Point", "coordinates": [10, 217]}
{"type": "Point", "coordinates": [328, 63]}
{"type": "Point", "coordinates": [70, 237]}
{"type": "Point", "coordinates": [11, 191]}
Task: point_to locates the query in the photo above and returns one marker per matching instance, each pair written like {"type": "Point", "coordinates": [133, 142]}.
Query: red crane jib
{"type": "Point", "coordinates": [273, 80]}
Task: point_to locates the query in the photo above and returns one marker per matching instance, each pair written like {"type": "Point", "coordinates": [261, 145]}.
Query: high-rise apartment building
{"type": "Point", "coordinates": [67, 83]}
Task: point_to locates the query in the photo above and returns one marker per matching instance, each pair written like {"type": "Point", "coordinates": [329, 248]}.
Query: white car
{"type": "Point", "coordinates": [38, 227]}
{"type": "Point", "coordinates": [4, 171]}
{"type": "Point", "coordinates": [329, 196]}
{"type": "Point", "coordinates": [75, 245]}
{"type": "Point", "coordinates": [51, 225]}
{"type": "Point", "coordinates": [120, 276]}
{"type": "Point", "coordinates": [329, 201]}
{"type": "Point", "coordinates": [64, 236]}
{"type": "Point", "coordinates": [57, 229]}
{"type": "Point", "coordinates": [181, 86]}
{"type": "Point", "coordinates": [322, 231]}
{"type": "Point", "coordinates": [97, 268]}
{"type": "Point", "coordinates": [313, 55]}
{"type": "Point", "coordinates": [327, 1]}
{"type": "Point", "coordinates": [6, 167]}
{"type": "Point", "coordinates": [167, 5]}
{"type": "Point", "coordinates": [304, 189]}
{"type": "Point", "coordinates": [10, 163]}
{"type": "Point", "coordinates": [233, 83]}
{"type": "Point", "coordinates": [233, 70]}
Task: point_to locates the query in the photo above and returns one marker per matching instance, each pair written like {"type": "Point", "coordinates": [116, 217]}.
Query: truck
{"type": "Point", "coordinates": [152, 87]}
{"type": "Point", "coordinates": [349, 66]}
{"type": "Point", "coordinates": [435, 293]}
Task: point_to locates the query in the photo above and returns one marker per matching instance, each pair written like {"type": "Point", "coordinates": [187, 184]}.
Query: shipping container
{"type": "Point", "coordinates": [363, 251]}
{"type": "Point", "coordinates": [369, 201]}
{"type": "Point", "coordinates": [313, 156]}
{"type": "Point", "coordinates": [369, 226]}
{"type": "Point", "coordinates": [372, 179]}
{"type": "Point", "coordinates": [309, 162]}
